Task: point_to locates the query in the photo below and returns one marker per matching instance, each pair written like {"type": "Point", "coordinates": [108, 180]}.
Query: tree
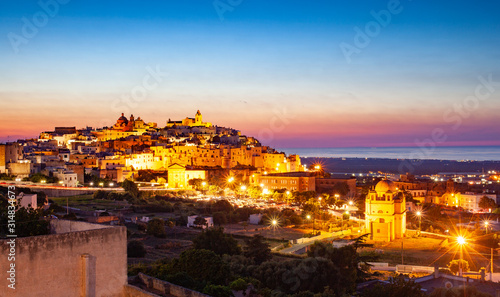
{"type": "Point", "coordinates": [131, 188]}
{"type": "Point", "coordinates": [201, 265]}
{"type": "Point", "coordinates": [454, 266]}
{"type": "Point", "coordinates": [136, 249]}
{"type": "Point", "coordinates": [257, 249]}
{"type": "Point", "coordinates": [214, 239]}
{"type": "Point", "coordinates": [223, 205]}
{"type": "Point", "coordinates": [29, 222]}
{"type": "Point", "coordinates": [220, 218]}
{"type": "Point", "coordinates": [469, 291]}
{"type": "Point", "coordinates": [396, 288]}
{"type": "Point", "coordinates": [196, 183]}
{"type": "Point", "coordinates": [219, 291]}
{"type": "Point", "coordinates": [487, 203]}
{"type": "Point", "coordinates": [156, 227]}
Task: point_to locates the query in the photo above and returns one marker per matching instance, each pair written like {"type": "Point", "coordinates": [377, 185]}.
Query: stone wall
{"type": "Point", "coordinates": [83, 259]}
{"type": "Point", "coordinates": [167, 288]}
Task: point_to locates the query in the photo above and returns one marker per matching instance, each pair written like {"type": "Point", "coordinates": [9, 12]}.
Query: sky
{"type": "Point", "coordinates": [291, 73]}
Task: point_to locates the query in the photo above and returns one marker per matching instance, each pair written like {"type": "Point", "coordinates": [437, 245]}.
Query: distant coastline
{"type": "Point", "coordinates": [451, 153]}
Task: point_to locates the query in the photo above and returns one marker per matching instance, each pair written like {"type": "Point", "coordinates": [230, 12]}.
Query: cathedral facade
{"type": "Point", "coordinates": [385, 212]}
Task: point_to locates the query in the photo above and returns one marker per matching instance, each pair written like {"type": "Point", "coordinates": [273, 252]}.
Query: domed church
{"type": "Point", "coordinates": [385, 212]}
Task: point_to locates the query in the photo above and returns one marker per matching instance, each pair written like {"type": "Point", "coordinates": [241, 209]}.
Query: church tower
{"type": "Point", "coordinates": [198, 118]}
{"type": "Point", "coordinates": [385, 212]}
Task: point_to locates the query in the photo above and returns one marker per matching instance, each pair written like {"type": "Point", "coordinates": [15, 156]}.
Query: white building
{"type": "Point", "coordinates": [27, 200]}
{"type": "Point", "coordinates": [67, 178]}
{"type": "Point", "coordinates": [470, 201]}
{"type": "Point", "coordinates": [209, 222]}
{"type": "Point", "coordinates": [255, 219]}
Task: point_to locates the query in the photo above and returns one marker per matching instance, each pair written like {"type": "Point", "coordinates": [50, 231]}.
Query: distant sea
{"type": "Point", "coordinates": [476, 153]}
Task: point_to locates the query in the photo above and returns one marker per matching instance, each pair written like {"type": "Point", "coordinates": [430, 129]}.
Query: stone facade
{"type": "Point", "coordinates": [79, 259]}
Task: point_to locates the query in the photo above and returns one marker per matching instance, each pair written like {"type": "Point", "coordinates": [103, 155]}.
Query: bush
{"type": "Point", "coordinates": [219, 291]}
{"type": "Point", "coordinates": [136, 249]}
{"type": "Point", "coordinates": [220, 218]}
{"type": "Point", "coordinates": [239, 285]}
{"type": "Point", "coordinates": [156, 227]}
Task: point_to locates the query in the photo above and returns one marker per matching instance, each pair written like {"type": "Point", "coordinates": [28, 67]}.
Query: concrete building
{"type": "Point", "coordinates": [10, 153]}
{"type": "Point", "coordinates": [76, 259]}
{"type": "Point", "coordinates": [291, 181]}
{"type": "Point", "coordinates": [197, 121]}
{"type": "Point", "coordinates": [27, 200]}
{"type": "Point", "coordinates": [209, 222]}
{"type": "Point", "coordinates": [385, 212]}
{"type": "Point", "coordinates": [67, 178]}
{"type": "Point", "coordinates": [179, 176]}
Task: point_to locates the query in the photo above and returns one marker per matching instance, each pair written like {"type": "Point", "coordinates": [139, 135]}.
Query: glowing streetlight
{"type": "Point", "coordinates": [230, 180]}
{"type": "Point", "coordinates": [486, 223]}
{"type": "Point", "coordinates": [101, 184]}
{"type": "Point", "coordinates": [203, 184]}
{"type": "Point", "coordinates": [111, 184]}
{"type": "Point", "coordinates": [243, 188]}
{"type": "Point", "coordinates": [419, 215]}
{"type": "Point", "coordinates": [274, 222]}
{"type": "Point", "coordinates": [351, 203]}
{"type": "Point", "coordinates": [461, 242]}
{"type": "Point", "coordinates": [91, 183]}
{"type": "Point", "coordinates": [261, 185]}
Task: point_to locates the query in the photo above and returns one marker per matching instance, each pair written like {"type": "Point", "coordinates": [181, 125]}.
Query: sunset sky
{"type": "Point", "coordinates": [273, 69]}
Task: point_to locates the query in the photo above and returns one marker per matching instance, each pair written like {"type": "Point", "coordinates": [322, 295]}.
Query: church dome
{"type": "Point", "coordinates": [122, 120]}
{"type": "Point", "coordinates": [385, 185]}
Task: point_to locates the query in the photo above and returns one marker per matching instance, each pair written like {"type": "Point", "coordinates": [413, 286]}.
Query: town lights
{"type": "Point", "coordinates": [230, 180]}
{"type": "Point", "coordinates": [461, 240]}
{"type": "Point", "coordinates": [203, 184]}
{"type": "Point", "coordinates": [101, 184]}
{"type": "Point", "coordinates": [91, 183]}
{"type": "Point", "coordinates": [43, 181]}
{"type": "Point", "coordinates": [243, 188]}
{"type": "Point", "coordinates": [111, 184]}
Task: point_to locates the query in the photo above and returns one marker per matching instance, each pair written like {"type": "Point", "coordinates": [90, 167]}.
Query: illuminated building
{"type": "Point", "coordinates": [197, 121]}
{"type": "Point", "coordinates": [124, 128]}
{"type": "Point", "coordinates": [179, 176]}
{"type": "Point", "coordinates": [385, 212]}
{"type": "Point", "coordinates": [292, 181]}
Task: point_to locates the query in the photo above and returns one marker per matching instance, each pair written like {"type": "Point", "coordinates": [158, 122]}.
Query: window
{"type": "Point", "coordinates": [378, 230]}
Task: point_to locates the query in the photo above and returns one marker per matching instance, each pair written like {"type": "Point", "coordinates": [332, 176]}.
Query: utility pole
{"type": "Point", "coordinates": [491, 266]}
{"type": "Point", "coordinates": [402, 251]}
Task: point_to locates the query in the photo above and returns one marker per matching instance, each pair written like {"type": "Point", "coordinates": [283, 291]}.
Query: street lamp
{"type": "Point", "coordinates": [419, 215]}
{"type": "Point", "coordinates": [461, 242]}
{"type": "Point", "coordinates": [486, 223]}
{"type": "Point", "coordinates": [308, 217]}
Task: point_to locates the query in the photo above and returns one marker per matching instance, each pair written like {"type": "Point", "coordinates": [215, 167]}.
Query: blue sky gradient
{"type": "Point", "coordinates": [262, 57]}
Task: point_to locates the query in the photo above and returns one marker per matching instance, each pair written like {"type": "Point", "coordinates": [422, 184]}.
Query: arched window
{"type": "Point", "coordinates": [380, 211]}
